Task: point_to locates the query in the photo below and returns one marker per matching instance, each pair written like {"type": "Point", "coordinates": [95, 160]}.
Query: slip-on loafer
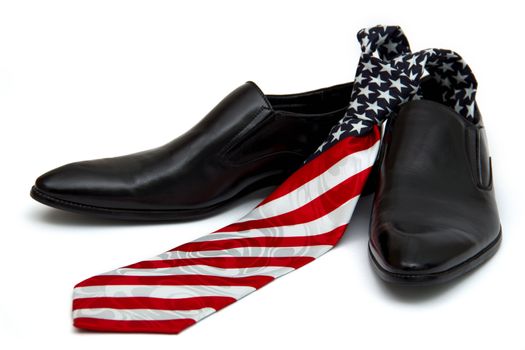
{"type": "Point", "coordinates": [434, 213]}
{"type": "Point", "coordinates": [247, 142]}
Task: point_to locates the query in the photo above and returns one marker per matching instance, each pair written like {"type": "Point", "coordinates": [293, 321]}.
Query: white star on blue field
{"type": "Point", "coordinates": [389, 74]}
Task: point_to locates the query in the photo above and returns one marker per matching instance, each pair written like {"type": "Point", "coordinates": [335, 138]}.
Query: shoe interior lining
{"type": "Point", "coordinates": [336, 98]}
{"type": "Point", "coordinates": [433, 91]}
{"type": "Point", "coordinates": [313, 102]}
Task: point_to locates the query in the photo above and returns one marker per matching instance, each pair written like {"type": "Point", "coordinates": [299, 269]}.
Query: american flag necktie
{"type": "Point", "coordinates": [301, 220]}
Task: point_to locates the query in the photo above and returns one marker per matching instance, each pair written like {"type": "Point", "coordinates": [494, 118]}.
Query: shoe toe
{"type": "Point", "coordinates": [87, 182]}
{"type": "Point", "coordinates": [59, 181]}
{"type": "Point", "coordinates": [405, 250]}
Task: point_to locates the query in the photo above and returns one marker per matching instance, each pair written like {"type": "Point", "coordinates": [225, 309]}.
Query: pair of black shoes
{"type": "Point", "coordinates": [434, 215]}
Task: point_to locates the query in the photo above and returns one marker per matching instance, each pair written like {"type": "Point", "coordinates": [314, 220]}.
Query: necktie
{"type": "Point", "coordinates": [301, 220]}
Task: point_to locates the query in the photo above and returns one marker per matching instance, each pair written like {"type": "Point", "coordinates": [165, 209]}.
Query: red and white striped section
{"type": "Point", "coordinates": [301, 220]}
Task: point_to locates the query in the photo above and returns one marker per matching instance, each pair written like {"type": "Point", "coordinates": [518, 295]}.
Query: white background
{"type": "Point", "coordinates": [91, 79]}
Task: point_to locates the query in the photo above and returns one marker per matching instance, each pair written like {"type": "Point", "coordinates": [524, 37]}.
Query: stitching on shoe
{"type": "Point", "coordinates": [87, 206]}
{"type": "Point", "coordinates": [75, 204]}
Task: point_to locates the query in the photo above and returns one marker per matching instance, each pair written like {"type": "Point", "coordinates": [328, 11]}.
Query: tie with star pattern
{"type": "Point", "coordinates": [389, 75]}
{"type": "Point", "coordinates": [298, 222]}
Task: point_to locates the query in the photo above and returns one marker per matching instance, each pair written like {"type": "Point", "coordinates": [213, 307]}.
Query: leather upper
{"type": "Point", "coordinates": [247, 141]}
{"type": "Point", "coordinates": [434, 207]}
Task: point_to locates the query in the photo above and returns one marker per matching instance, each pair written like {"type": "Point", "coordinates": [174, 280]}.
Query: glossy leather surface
{"type": "Point", "coordinates": [434, 206]}
{"type": "Point", "coordinates": [246, 142]}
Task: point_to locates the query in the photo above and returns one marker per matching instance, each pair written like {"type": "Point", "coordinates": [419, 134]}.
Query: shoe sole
{"type": "Point", "coordinates": [437, 277]}
{"type": "Point", "coordinates": [146, 215]}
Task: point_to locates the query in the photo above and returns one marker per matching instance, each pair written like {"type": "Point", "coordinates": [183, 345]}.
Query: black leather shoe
{"type": "Point", "coordinates": [247, 142]}
{"type": "Point", "coordinates": [434, 214]}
